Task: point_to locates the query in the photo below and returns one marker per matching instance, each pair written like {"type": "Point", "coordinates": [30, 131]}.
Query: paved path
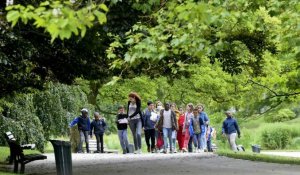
{"type": "Point", "coordinates": [170, 164]}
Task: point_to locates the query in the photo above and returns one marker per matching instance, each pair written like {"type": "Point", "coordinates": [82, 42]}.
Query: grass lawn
{"type": "Point", "coordinates": [259, 157]}
{"type": "Point", "coordinates": [6, 173]}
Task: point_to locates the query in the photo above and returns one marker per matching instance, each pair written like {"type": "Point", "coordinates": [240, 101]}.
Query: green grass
{"type": "Point", "coordinates": [112, 141]}
{"type": "Point", "coordinates": [6, 173]}
{"type": "Point", "coordinates": [259, 157]}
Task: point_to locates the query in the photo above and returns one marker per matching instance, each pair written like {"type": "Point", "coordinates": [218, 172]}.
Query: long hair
{"type": "Point", "coordinates": [135, 96]}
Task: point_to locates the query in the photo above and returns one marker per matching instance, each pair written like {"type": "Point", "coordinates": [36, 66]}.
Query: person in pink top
{"type": "Point", "coordinates": [185, 131]}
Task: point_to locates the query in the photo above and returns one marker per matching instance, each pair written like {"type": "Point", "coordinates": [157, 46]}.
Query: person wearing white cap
{"type": "Point", "coordinates": [83, 123]}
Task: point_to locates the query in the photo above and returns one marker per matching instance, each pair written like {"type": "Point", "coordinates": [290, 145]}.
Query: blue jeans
{"type": "Point", "coordinates": [167, 134]}
{"type": "Point", "coordinates": [174, 137]}
{"type": "Point", "coordinates": [84, 136]}
{"type": "Point", "coordinates": [197, 140]}
{"type": "Point", "coordinates": [123, 139]}
{"type": "Point", "coordinates": [203, 141]}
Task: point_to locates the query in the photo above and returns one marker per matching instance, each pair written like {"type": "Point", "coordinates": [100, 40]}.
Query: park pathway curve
{"type": "Point", "coordinates": [170, 164]}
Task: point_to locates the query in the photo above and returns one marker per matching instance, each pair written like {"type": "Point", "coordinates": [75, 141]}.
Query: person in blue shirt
{"type": "Point", "coordinates": [150, 118]}
{"type": "Point", "coordinates": [98, 126]}
{"type": "Point", "coordinates": [203, 127]}
{"type": "Point", "coordinates": [83, 124]}
{"type": "Point", "coordinates": [231, 129]}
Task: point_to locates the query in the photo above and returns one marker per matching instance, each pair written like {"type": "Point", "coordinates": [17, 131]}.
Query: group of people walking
{"type": "Point", "coordinates": [164, 126]}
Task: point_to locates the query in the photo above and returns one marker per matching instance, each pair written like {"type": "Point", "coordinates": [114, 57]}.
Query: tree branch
{"type": "Point", "coordinates": [272, 91]}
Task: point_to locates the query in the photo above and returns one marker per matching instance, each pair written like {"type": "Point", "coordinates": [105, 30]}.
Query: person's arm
{"type": "Point", "coordinates": [223, 128]}
{"type": "Point", "coordinates": [201, 122]}
{"type": "Point", "coordinates": [237, 128]}
{"type": "Point", "coordinates": [74, 122]}
{"type": "Point", "coordinates": [89, 123]}
{"type": "Point", "coordinates": [138, 109]}
{"type": "Point", "coordinates": [175, 121]}
{"type": "Point", "coordinates": [206, 119]}
{"type": "Point", "coordinates": [91, 128]}
{"type": "Point", "coordinates": [208, 132]}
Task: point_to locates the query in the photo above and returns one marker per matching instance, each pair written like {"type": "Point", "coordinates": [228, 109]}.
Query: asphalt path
{"type": "Point", "coordinates": [164, 164]}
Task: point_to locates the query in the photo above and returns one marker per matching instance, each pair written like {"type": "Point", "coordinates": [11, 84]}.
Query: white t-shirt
{"type": "Point", "coordinates": [167, 119]}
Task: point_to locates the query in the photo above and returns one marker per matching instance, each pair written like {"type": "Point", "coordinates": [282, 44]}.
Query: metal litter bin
{"type": "Point", "coordinates": [63, 158]}
{"type": "Point", "coordinates": [256, 148]}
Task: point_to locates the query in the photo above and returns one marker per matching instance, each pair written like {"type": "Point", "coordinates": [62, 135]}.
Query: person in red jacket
{"type": "Point", "coordinates": [180, 134]}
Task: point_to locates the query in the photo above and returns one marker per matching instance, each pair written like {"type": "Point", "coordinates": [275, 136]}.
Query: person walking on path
{"type": "Point", "coordinates": [135, 120]}
{"type": "Point", "coordinates": [180, 134]}
{"type": "Point", "coordinates": [187, 146]}
{"type": "Point", "coordinates": [210, 134]}
{"type": "Point", "coordinates": [231, 129]}
{"type": "Point", "coordinates": [122, 123]}
{"type": "Point", "coordinates": [205, 119]}
{"type": "Point", "coordinates": [174, 132]}
{"type": "Point", "coordinates": [150, 118]}
{"type": "Point", "coordinates": [167, 123]}
{"type": "Point", "coordinates": [83, 124]}
{"type": "Point", "coordinates": [196, 122]}
{"type": "Point", "coordinates": [99, 126]}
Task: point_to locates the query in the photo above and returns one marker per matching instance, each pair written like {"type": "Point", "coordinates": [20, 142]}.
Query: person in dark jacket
{"type": "Point", "coordinates": [135, 120]}
{"type": "Point", "coordinates": [167, 123]}
{"type": "Point", "coordinates": [122, 122]}
{"type": "Point", "coordinates": [231, 129]}
{"type": "Point", "coordinates": [83, 123]}
{"type": "Point", "coordinates": [98, 125]}
{"type": "Point", "coordinates": [150, 118]}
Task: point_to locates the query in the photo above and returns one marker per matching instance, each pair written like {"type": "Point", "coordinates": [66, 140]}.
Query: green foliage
{"type": "Point", "coordinates": [20, 119]}
{"type": "Point", "coordinates": [276, 137]}
{"type": "Point", "coordinates": [60, 19]}
{"type": "Point", "coordinates": [35, 118]}
{"type": "Point", "coordinates": [280, 116]}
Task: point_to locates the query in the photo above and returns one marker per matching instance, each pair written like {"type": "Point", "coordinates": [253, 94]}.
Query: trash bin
{"type": "Point", "coordinates": [256, 148]}
{"type": "Point", "coordinates": [63, 159]}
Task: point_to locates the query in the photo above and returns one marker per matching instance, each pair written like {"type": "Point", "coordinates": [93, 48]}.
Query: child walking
{"type": "Point", "coordinates": [180, 135]}
{"type": "Point", "coordinates": [99, 127]}
{"type": "Point", "coordinates": [122, 122]}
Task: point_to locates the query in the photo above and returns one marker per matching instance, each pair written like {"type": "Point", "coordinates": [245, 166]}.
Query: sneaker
{"type": "Point", "coordinates": [184, 150]}
{"type": "Point", "coordinates": [148, 149]}
{"type": "Point", "coordinates": [175, 151]}
{"type": "Point", "coordinates": [139, 151]}
{"type": "Point", "coordinates": [165, 151]}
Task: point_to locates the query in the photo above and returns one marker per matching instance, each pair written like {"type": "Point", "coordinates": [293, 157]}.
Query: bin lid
{"type": "Point", "coordinates": [60, 142]}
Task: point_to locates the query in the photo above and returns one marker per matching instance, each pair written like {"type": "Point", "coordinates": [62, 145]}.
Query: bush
{"type": "Point", "coordinates": [280, 116]}
{"type": "Point", "coordinates": [278, 137]}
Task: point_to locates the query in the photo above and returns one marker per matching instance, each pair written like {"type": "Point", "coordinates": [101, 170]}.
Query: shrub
{"type": "Point", "coordinates": [280, 116]}
{"type": "Point", "coordinates": [278, 137]}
